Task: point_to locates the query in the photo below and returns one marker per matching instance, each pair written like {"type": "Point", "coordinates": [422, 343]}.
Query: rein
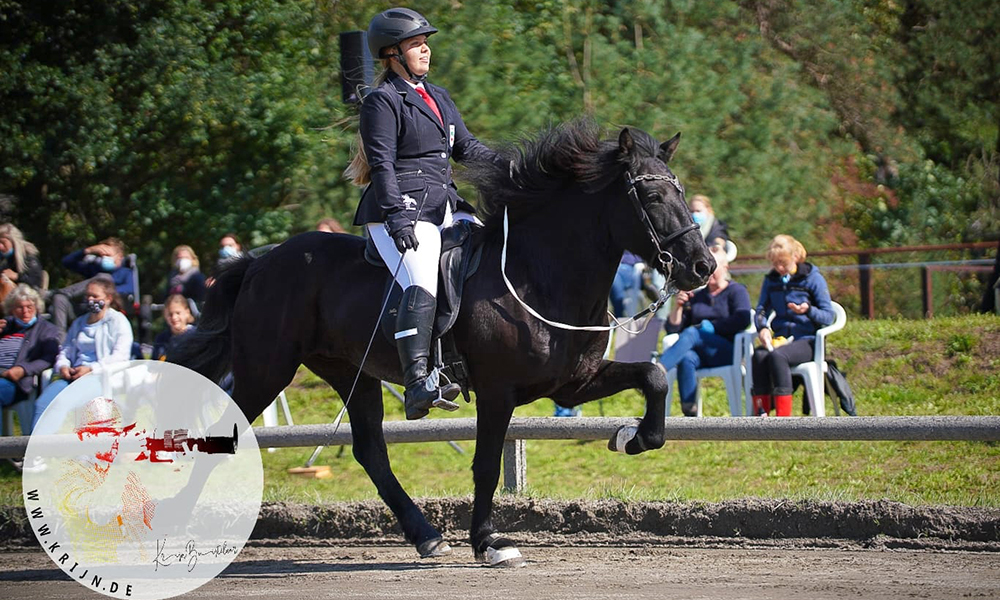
{"type": "Point", "coordinates": [666, 259]}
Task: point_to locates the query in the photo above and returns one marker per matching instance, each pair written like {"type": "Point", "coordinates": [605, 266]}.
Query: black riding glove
{"type": "Point", "coordinates": [405, 238]}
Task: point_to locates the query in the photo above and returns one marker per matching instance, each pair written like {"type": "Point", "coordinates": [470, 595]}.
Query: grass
{"type": "Point", "coordinates": [948, 366]}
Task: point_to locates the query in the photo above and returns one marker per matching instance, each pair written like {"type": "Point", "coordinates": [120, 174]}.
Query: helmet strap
{"type": "Point", "coordinates": [402, 60]}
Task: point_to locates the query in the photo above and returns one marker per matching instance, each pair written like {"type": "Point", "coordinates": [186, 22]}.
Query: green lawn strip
{"type": "Point", "coordinates": [947, 366]}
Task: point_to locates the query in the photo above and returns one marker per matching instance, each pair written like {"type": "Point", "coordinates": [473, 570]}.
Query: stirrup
{"type": "Point", "coordinates": [433, 383]}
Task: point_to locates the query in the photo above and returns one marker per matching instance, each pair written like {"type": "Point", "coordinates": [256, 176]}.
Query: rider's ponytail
{"type": "Point", "coordinates": [358, 171]}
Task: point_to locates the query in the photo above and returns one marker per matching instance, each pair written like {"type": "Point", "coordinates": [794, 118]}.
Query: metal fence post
{"type": "Point", "coordinates": [514, 466]}
{"type": "Point", "coordinates": [865, 283]}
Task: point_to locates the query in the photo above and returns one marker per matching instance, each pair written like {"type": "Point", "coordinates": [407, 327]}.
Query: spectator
{"type": "Point", "coordinates": [330, 225]}
{"type": "Point", "coordinates": [96, 340]}
{"type": "Point", "coordinates": [708, 321]}
{"type": "Point", "coordinates": [28, 345]}
{"type": "Point", "coordinates": [106, 257]}
{"type": "Point", "coordinates": [797, 293]}
{"type": "Point", "coordinates": [177, 314]}
{"type": "Point", "coordinates": [712, 229]}
{"type": "Point", "coordinates": [186, 279]}
{"type": "Point", "coordinates": [229, 249]}
{"type": "Point", "coordinates": [18, 260]}
{"type": "Point", "coordinates": [627, 286]}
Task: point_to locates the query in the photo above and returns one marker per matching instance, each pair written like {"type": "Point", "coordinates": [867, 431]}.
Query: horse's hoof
{"type": "Point", "coordinates": [500, 552]}
{"type": "Point", "coordinates": [434, 548]}
{"type": "Point", "coordinates": [622, 437]}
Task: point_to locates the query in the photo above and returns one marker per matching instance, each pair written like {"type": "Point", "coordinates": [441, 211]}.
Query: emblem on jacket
{"type": "Point", "coordinates": [451, 136]}
{"type": "Point", "coordinates": [409, 203]}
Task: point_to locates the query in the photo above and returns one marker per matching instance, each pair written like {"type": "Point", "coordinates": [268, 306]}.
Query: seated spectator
{"type": "Point", "coordinates": [330, 225]}
{"type": "Point", "coordinates": [708, 321]}
{"type": "Point", "coordinates": [797, 294]}
{"type": "Point", "coordinates": [96, 340]}
{"type": "Point", "coordinates": [712, 229]}
{"type": "Point", "coordinates": [185, 277]}
{"type": "Point", "coordinates": [177, 314]}
{"type": "Point", "coordinates": [28, 345]}
{"type": "Point", "coordinates": [18, 261]}
{"type": "Point", "coordinates": [106, 257]}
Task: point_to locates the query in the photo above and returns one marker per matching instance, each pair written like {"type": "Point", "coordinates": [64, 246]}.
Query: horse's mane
{"type": "Point", "coordinates": [570, 156]}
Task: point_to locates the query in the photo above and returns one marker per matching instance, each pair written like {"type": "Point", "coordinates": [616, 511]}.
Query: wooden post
{"type": "Point", "coordinates": [927, 291]}
{"type": "Point", "coordinates": [514, 466]}
{"type": "Point", "coordinates": [865, 283]}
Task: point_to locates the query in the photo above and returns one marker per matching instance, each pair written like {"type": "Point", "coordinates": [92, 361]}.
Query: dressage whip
{"type": "Point", "coordinates": [371, 340]}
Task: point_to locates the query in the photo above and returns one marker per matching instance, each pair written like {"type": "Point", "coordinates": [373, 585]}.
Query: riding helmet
{"type": "Point", "coordinates": [392, 26]}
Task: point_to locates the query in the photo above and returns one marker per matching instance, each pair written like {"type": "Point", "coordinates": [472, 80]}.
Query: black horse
{"type": "Point", "coordinates": [575, 203]}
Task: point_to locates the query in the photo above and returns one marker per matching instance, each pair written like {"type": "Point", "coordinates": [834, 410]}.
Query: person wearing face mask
{"type": "Point", "coordinates": [185, 277]}
{"type": "Point", "coordinates": [177, 314]}
{"type": "Point", "coordinates": [230, 249]}
{"type": "Point", "coordinates": [410, 130]}
{"type": "Point", "coordinates": [94, 341]}
{"type": "Point", "coordinates": [712, 229]}
{"type": "Point", "coordinates": [106, 257]}
{"type": "Point", "coordinates": [798, 295]}
{"type": "Point", "coordinates": [18, 260]}
{"type": "Point", "coordinates": [708, 320]}
{"type": "Point", "coordinates": [28, 345]}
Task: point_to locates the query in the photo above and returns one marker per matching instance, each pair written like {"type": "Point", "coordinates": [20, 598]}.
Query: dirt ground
{"type": "Point", "coordinates": [580, 573]}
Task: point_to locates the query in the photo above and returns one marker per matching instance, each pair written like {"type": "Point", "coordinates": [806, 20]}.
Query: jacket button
{"type": "Point", "coordinates": [443, 140]}
{"type": "Point", "coordinates": [444, 155]}
{"type": "Point", "coordinates": [444, 185]}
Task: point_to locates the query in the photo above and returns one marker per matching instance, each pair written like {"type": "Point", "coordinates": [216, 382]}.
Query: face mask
{"type": "Point", "coordinates": [108, 263]}
{"type": "Point", "coordinates": [95, 306]}
{"type": "Point", "coordinates": [8, 253]}
{"type": "Point", "coordinates": [227, 252]}
{"type": "Point", "coordinates": [699, 217]}
{"type": "Point", "coordinates": [184, 264]}
{"type": "Point", "coordinates": [24, 325]}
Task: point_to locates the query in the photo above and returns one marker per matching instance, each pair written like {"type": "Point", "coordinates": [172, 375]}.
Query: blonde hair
{"type": "Point", "coordinates": [703, 199]}
{"type": "Point", "coordinates": [22, 247]}
{"type": "Point", "coordinates": [190, 250]}
{"type": "Point", "coordinates": [785, 247]}
{"type": "Point", "coordinates": [178, 300]}
{"type": "Point", "coordinates": [23, 291]}
{"type": "Point", "coordinates": [358, 171]}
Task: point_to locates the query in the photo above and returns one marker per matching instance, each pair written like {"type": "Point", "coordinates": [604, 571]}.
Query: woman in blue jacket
{"type": "Point", "coordinates": [409, 130]}
{"type": "Point", "coordinates": [797, 294]}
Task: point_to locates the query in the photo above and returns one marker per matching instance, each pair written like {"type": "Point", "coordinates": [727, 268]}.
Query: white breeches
{"type": "Point", "coordinates": [420, 266]}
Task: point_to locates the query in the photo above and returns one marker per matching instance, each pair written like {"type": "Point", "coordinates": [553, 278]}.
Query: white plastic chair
{"type": "Point", "coordinates": [733, 375]}
{"type": "Point", "coordinates": [814, 372]}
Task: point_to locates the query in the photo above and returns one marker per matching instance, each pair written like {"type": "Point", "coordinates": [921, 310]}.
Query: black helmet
{"type": "Point", "coordinates": [391, 27]}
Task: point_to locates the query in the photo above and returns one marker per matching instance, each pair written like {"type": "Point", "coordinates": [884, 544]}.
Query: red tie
{"type": "Point", "coordinates": [430, 102]}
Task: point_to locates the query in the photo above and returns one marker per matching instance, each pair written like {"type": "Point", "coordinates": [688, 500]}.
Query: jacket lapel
{"type": "Point", "coordinates": [412, 98]}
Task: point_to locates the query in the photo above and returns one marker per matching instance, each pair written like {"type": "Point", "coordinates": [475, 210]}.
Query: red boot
{"type": "Point", "coordinates": [761, 405]}
{"type": "Point", "coordinates": [783, 405]}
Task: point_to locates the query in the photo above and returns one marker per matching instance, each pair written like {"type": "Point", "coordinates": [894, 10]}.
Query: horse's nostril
{"type": "Point", "coordinates": [703, 269]}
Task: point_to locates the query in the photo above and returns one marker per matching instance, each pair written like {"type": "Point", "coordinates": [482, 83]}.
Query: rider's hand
{"type": "Point", "coordinates": [405, 239]}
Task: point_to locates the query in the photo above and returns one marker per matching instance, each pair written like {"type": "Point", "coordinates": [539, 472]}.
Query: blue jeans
{"type": "Point", "coordinates": [693, 350]}
{"type": "Point", "coordinates": [625, 289]}
{"type": "Point", "coordinates": [46, 397]}
{"type": "Point", "coordinates": [8, 392]}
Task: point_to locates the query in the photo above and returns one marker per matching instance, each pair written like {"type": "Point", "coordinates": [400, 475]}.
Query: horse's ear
{"type": "Point", "coordinates": [625, 142]}
{"type": "Point", "coordinates": [668, 148]}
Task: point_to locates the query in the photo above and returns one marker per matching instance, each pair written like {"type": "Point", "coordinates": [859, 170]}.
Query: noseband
{"type": "Point", "coordinates": [665, 257]}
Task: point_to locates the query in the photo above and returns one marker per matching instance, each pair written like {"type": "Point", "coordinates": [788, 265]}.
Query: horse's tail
{"type": "Point", "coordinates": [208, 349]}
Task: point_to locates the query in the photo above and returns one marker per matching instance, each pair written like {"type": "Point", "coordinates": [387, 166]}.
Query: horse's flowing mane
{"type": "Point", "coordinates": [570, 156]}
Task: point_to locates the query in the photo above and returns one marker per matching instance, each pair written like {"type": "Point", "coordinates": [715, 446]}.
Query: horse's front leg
{"type": "Point", "coordinates": [493, 413]}
{"type": "Point", "coordinates": [613, 377]}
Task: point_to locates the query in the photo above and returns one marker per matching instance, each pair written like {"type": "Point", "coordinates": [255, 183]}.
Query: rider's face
{"type": "Point", "coordinates": [417, 54]}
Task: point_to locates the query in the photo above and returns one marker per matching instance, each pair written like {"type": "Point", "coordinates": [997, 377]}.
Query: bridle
{"type": "Point", "coordinates": [665, 257]}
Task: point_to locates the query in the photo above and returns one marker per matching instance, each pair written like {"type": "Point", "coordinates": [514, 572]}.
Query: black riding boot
{"type": "Point", "coordinates": [414, 328]}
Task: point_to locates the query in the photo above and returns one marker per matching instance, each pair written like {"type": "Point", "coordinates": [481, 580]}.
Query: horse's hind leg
{"type": "Point", "coordinates": [366, 412]}
{"type": "Point", "coordinates": [613, 377]}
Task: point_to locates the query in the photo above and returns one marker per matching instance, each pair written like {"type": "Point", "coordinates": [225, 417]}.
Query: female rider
{"type": "Point", "coordinates": [409, 129]}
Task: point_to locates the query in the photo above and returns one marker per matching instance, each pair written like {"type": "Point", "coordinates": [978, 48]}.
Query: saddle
{"type": "Point", "coordinates": [461, 252]}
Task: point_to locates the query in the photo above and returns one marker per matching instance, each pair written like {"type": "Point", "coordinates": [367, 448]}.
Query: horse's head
{"type": "Point", "coordinates": [658, 225]}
